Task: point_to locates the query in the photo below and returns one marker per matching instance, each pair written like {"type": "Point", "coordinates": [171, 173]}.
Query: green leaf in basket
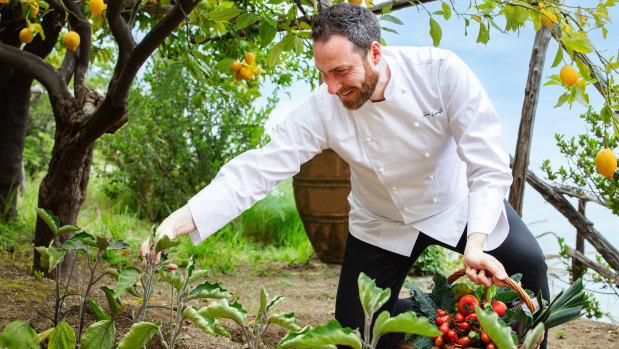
{"type": "Point", "coordinates": [443, 295]}
{"type": "Point", "coordinates": [423, 305]}
{"type": "Point", "coordinates": [500, 334]}
{"type": "Point", "coordinates": [530, 340]}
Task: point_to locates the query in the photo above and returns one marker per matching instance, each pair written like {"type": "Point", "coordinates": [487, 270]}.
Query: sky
{"type": "Point", "coordinates": [502, 67]}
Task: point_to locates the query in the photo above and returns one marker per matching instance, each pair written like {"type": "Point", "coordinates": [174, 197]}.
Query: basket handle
{"type": "Point", "coordinates": [460, 273]}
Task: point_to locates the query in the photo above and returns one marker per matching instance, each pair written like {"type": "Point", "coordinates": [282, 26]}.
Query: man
{"type": "Point", "coordinates": [427, 165]}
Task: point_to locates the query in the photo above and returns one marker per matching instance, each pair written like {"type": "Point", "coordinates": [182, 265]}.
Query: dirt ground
{"type": "Point", "coordinates": [309, 291]}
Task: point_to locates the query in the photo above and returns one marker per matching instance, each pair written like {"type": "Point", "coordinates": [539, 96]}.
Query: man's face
{"type": "Point", "coordinates": [347, 74]}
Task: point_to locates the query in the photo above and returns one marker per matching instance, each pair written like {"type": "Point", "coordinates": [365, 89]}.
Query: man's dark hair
{"type": "Point", "coordinates": [356, 23]}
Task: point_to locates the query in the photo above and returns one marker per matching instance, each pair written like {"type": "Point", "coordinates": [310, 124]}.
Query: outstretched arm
{"type": "Point", "coordinates": [179, 223]}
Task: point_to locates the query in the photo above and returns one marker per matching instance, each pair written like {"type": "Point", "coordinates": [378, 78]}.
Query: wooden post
{"type": "Point", "coordinates": [577, 267]}
{"type": "Point", "coordinates": [529, 106]}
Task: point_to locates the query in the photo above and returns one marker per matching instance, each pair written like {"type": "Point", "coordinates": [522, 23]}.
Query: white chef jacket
{"type": "Point", "coordinates": [429, 157]}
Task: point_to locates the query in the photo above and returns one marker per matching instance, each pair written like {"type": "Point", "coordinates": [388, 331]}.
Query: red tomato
{"type": "Point", "coordinates": [466, 304]}
{"type": "Point", "coordinates": [451, 334]}
{"type": "Point", "coordinates": [464, 325]}
{"type": "Point", "coordinates": [441, 312]}
{"type": "Point", "coordinates": [499, 308]}
{"type": "Point", "coordinates": [465, 341]}
{"type": "Point", "coordinates": [439, 341]}
{"type": "Point", "coordinates": [444, 328]}
{"type": "Point", "coordinates": [459, 317]}
{"type": "Point", "coordinates": [485, 338]}
{"type": "Point", "coordinates": [471, 316]}
{"type": "Point", "coordinates": [490, 346]}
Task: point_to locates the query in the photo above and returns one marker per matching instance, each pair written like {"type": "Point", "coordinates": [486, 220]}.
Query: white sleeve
{"type": "Point", "coordinates": [248, 177]}
{"type": "Point", "coordinates": [477, 131]}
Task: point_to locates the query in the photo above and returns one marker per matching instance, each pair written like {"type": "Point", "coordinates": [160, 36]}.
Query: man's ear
{"type": "Point", "coordinates": [376, 52]}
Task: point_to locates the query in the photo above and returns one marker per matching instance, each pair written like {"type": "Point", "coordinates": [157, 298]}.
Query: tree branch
{"type": "Point", "coordinates": [151, 7]}
{"type": "Point", "coordinates": [121, 33]}
{"type": "Point", "coordinates": [81, 25]}
{"type": "Point", "coordinates": [605, 272]}
{"type": "Point", "coordinates": [580, 194]}
{"type": "Point", "coordinates": [30, 64]}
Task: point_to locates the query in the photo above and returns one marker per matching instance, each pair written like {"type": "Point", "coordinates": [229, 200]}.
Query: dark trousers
{"type": "Point", "coordinates": [519, 253]}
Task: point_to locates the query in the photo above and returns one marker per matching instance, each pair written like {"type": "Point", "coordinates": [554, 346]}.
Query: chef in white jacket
{"type": "Point", "coordinates": [426, 156]}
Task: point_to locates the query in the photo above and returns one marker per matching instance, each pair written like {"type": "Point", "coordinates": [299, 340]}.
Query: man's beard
{"type": "Point", "coordinates": [365, 91]}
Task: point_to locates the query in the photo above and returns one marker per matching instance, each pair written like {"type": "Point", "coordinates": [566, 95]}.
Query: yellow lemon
{"type": "Point", "coordinates": [568, 75]}
{"type": "Point", "coordinates": [358, 2]}
{"type": "Point", "coordinates": [237, 76]}
{"type": "Point", "coordinates": [606, 163]}
{"type": "Point", "coordinates": [246, 73]}
{"type": "Point", "coordinates": [250, 58]}
{"type": "Point", "coordinates": [548, 18]}
{"type": "Point", "coordinates": [71, 40]}
{"type": "Point", "coordinates": [4, 1]}
{"type": "Point", "coordinates": [96, 6]}
{"type": "Point", "coordinates": [236, 66]}
{"type": "Point", "coordinates": [26, 36]}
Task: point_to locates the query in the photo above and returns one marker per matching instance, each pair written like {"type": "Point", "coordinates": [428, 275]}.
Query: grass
{"type": "Point", "coordinates": [271, 231]}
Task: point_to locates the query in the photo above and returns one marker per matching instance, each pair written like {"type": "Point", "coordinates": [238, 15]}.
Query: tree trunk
{"type": "Point", "coordinates": [578, 269]}
{"type": "Point", "coordinates": [529, 106]}
{"type": "Point", "coordinates": [14, 104]}
{"type": "Point", "coordinates": [63, 189]}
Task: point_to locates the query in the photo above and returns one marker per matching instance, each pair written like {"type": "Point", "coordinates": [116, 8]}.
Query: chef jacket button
{"type": "Point", "coordinates": [427, 155]}
{"type": "Point", "coordinates": [406, 209]}
{"type": "Point", "coordinates": [368, 139]}
{"type": "Point", "coordinates": [381, 170]}
{"type": "Point", "coordinates": [394, 188]}
{"type": "Point", "coordinates": [434, 200]}
{"type": "Point", "coordinates": [431, 177]}
{"type": "Point", "coordinates": [416, 124]}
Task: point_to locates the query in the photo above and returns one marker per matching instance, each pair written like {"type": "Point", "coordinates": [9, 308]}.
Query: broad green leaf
{"type": "Point", "coordinates": [102, 243]}
{"type": "Point", "coordinates": [562, 316]}
{"type": "Point", "coordinates": [276, 51]}
{"type": "Point", "coordinates": [19, 335]}
{"type": "Point", "coordinates": [116, 275]}
{"type": "Point", "coordinates": [584, 70]}
{"type": "Point", "coordinates": [442, 293]}
{"type": "Point", "coordinates": [530, 340]}
{"type": "Point", "coordinates": [197, 275]}
{"type": "Point", "coordinates": [115, 304]}
{"type": "Point", "coordinates": [98, 310]}
{"type": "Point", "coordinates": [225, 64]}
{"type": "Point", "coordinates": [223, 309]}
{"type": "Point", "coordinates": [446, 11]}
{"type": "Point", "coordinates": [63, 337]}
{"type": "Point", "coordinates": [165, 243]}
{"type": "Point", "coordinates": [388, 30]}
{"type": "Point", "coordinates": [387, 8]}
{"type": "Point", "coordinates": [36, 27]}
{"type": "Point", "coordinates": [223, 15]}
{"type": "Point", "coordinates": [129, 276]}
{"type": "Point", "coordinates": [79, 241]}
{"type": "Point", "coordinates": [207, 324]}
{"type": "Point", "coordinates": [262, 308]}
{"type": "Point", "coordinates": [580, 96]}
{"type": "Point", "coordinates": [558, 57]}
{"type": "Point", "coordinates": [48, 217]}
{"type": "Point", "coordinates": [500, 334]}
{"type": "Point", "coordinates": [51, 256]}
{"type": "Point", "coordinates": [391, 19]}
{"type": "Point", "coordinates": [267, 33]}
{"type": "Point", "coordinates": [139, 334]}
{"type": "Point", "coordinates": [435, 32]}
{"type": "Point", "coordinates": [578, 42]}
{"type": "Point", "coordinates": [42, 336]}
{"type": "Point", "coordinates": [286, 321]}
{"type": "Point", "coordinates": [484, 35]}
{"type": "Point", "coordinates": [174, 279]}
{"type": "Point", "coordinates": [68, 229]}
{"type": "Point", "coordinates": [562, 99]}
{"type": "Point", "coordinates": [322, 337]}
{"type": "Point", "coordinates": [191, 266]}
{"type": "Point", "coordinates": [118, 245]}
{"type": "Point", "coordinates": [371, 296]}
{"type": "Point", "coordinates": [245, 20]}
{"type": "Point", "coordinates": [406, 322]}
{"type": "Point", "coordinates": [99, 335]}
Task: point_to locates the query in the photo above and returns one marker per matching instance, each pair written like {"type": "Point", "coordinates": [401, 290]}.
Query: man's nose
{"type": "Point", "coordinates": [333, 85]}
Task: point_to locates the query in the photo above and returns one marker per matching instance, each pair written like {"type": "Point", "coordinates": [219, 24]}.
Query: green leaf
{"type": "Point", "coordinates": [267, 33]}
{"type": "Point", "coordinates": [484, 35]}
{"type": "Point", "coordinates": [99, 335]}
{"type": "Point", "coordinates": [48, 217]}
{"type": "Point", "coordinates": [115, 304]}
{"type": "Point", "coordinates": [371, 296]}
{"type": "Point", "coordinates": [139, 334]}
{"type": "Point", "coordinates": [224, 310]}
{"type": "Point", "coordinates": [562, 99]}
{"type": "Point", "coordinates": [558, 57]}
{"type": "Point", "coordinates": [63, 337]}
{"type": "Point", "coordinates": [39, 29]}
{"type": "Point", "coordinates": [51, 256]}
{"type": "Point", "coordinates": [173, 278]}
{"type": "Point", "coordinates": [446, 11]}
{"type": "Point", "coordinates": [118, 245]}
{"type": "Point", "coordinates": [286, 321]}
{"type": "Point", "coordinates": [223, 15]}
{"type": "Point", "coordinates": [406, 322]}
{"type": "Point", "coordinates": [322, 337]}
{"type": "Point", "coordinates": [19, 335]}
{"type": "Point", "coordinates": [164, 243]}
{"type": "Point", "coordinates": [530, 340]}
{"type": "Point", "coordinates": [79, 241]}
{"type": "Point", "coordinates": [435, 32]}
{"type": "Point", "coordinates": [423, 305]}
{"type": "Point", "coordinates": [578, 42]}
{"type": "Point", "coordinates": [391, 19]}
{"type": "Point", "coordinates": [129, 276]}
{"type": "Point", "coordinates": [197, 275]}
{"type": "Point", "coordinates": [443, 295]}
{"type": "Point", "coordinates": [584, 70]}
{"type": "Point", "coordinates": [245, 20]}
{"type": "Point", "coordinates": [500, 334]}
{"type": "Point", "coordinates": [68, 229]}
{"type": "Point", "coordinates": [98, 310]}
{"type": "Point", "coordinates": [388, 30]}
{"type": "Point", "coordinates": [225, 64]}
{"type": "Point", "coordinates": [102, 243]}
{"type": "Point", "coordinates": [207, 324]}
{"type": "Point", "coordinates": [422, 342]}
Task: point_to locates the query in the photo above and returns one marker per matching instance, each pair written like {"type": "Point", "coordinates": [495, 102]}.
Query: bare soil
{"type": "Point", "coordinates": [309, 291]}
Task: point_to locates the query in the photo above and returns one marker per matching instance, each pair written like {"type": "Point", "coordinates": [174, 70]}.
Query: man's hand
{"type": "Point", "coordinates": [481, 267]}
{"type": "Point", "coordinates": [180, 222]}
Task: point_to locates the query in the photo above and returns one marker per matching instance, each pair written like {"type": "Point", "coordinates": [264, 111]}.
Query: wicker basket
{"type": "Point", "coordinates": [462, 272]}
